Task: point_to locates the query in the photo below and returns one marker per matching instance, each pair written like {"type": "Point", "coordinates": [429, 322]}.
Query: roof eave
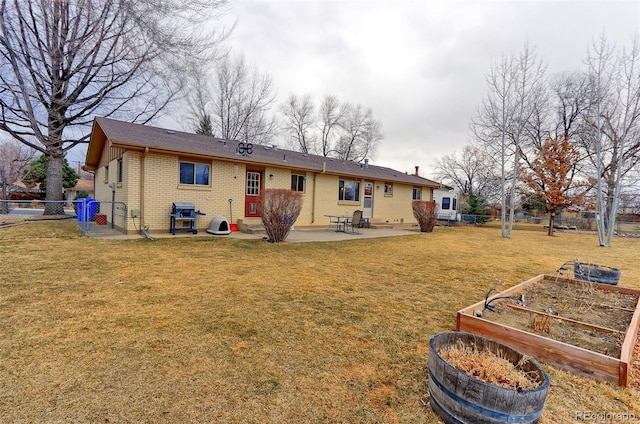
{"type": "Point", "coordinates": [96, 146]}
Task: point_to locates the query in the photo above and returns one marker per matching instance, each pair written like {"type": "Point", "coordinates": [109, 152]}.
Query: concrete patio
{"type": "Point", "coordinates": [295, 236]}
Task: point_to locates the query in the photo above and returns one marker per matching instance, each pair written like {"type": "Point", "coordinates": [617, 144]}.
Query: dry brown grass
{"type": "Point", "coordinates": [227, 330]}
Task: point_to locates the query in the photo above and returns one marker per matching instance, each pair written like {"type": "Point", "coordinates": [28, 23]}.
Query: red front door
{"type": "Point", "coordinates": [252, 194]}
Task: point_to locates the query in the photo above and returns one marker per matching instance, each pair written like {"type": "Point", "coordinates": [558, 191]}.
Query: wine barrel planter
{"type": "Point", "coordinates": [458, 398]}
{"type": "Point", "coordinates": [596, 273]}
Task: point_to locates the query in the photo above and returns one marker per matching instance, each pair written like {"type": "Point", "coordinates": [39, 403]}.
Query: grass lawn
{"type": "Point", "coordinates": [227, 330]}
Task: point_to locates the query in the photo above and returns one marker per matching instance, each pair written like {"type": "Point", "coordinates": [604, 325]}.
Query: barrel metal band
{"type": "Point", "coordinates": [507, 418]}
{"type": "Point", "coordinates": [444, 412]}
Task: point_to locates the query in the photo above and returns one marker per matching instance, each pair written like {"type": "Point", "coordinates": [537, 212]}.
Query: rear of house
{"type": "Point", "coordinates": [150, 168]}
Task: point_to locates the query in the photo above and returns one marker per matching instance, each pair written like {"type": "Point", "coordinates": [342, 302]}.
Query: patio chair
{"type": "Point", "coordinates": [353, 222]}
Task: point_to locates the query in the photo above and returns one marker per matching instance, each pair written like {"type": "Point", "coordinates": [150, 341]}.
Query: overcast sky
{"type": "Point", "coordinates": [420, 65]}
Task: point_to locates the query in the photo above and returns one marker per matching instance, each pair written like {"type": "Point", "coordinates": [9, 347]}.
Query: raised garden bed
{"type": "Point", "coordinates": [581, 327]}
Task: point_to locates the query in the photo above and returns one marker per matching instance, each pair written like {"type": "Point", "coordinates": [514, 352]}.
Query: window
{"type": "Point", "coordinates": [454, 203]}
{"type": "Point", "coordinates": [417, 193]}
{"type": "Point", "coordinates": [106, 175]}
{"type": "Point", "coordinates": [446, 203]}
{"type": "Point", "coordinates": [253, 185]}
{"type": "Point", "coordinates": [297, 182]}
{"type": "Point", "coordinates": [194, 173]}
{"type": "Point", "coordinates": [388, 189]}
{"type": "Point", "coordinates": [349, 190]}
{"type": "Point", "coordinates": [120, 171]}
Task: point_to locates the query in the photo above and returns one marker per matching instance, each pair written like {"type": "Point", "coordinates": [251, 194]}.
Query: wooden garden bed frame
{"type": "Point", "coordinates": [561, 355]}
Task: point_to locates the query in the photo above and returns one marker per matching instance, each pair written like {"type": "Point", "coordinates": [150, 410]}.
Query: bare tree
{"type": "Point", "coordinates": [513, 102]}
{"type": "Point", "coordinates": [490, 125]}
{"type": "Point", "coordinates": [341, 130]}
{"type": "Point", "coordinates": [63, 62]}
{"type": "Point", "coordinates": [471, 172]}
{"type": "Point", "coordinates": [371, 137]}
{"type": "Point", "coordinates": [613, 143]}
{"type": "Point", "coordinates": [15, 157]}
{"type": "Point", "coordinates": [198, 117]}
{"type": "Point", "coordinates": [529, 99]}
{"type": "Point", "coordinates": [298, 121]}
{"type": "Point", "coordinates": [360, 134]}
{"type": "Point", "coordinates": [332, 114]}
{"type": "Point", "coordinates": [572, 98]}
{"type": "Point", "coordinates": [242, 101]}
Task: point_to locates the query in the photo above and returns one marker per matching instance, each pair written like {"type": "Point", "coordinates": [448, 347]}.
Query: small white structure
{"type": "Point", "coordinates": [447, 201]}
{"type": "Point", "coordinates": [219, 226]}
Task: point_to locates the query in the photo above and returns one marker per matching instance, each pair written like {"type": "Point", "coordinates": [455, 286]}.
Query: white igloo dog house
{"type": "Point", "coordinates": [219, 226]}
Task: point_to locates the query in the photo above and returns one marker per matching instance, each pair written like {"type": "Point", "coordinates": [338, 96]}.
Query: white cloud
{"type": "Point", "coordinates": [420, 65]}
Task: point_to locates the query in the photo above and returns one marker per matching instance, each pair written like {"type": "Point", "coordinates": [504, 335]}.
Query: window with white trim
{"type": "Point", "coordinates": [446, 203]}
{"type": "Point", "coordinates": [417, 193]}
{"type": "Point", "coordinates": [388, 189]}
{"type": "Point", "coordinates": [194, 173]}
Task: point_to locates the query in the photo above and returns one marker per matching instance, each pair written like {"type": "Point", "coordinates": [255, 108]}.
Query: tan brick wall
{"type": "Point", "coordinates": [162, 188]}
{"type": "Point", "coordinates": [130, 175]}
{"type": "Point", "coordinates": [282, 179]}
{"type": "Point", "coordinates": [395, 208]}
{"type": "Point", "coordinates": [227, 181]}
{"type": "Point", "coordinates": [392, 209]}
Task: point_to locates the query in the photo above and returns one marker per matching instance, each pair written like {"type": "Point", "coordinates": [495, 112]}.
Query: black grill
{"type": "Point", "coordinates": [185, 213]}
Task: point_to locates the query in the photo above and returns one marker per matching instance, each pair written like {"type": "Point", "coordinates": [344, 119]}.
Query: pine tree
{"type": "Point", "coordinates": [204, 126]}
{"type": "Point", "coordinates": [37, 174]}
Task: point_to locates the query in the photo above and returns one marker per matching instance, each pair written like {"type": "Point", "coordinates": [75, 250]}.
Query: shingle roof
{"type": "Point", "coordinates": [138, 137]}
{"type": "Point", "coordinates": [86, 185]}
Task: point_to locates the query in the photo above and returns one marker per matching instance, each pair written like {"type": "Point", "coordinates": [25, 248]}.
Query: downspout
{"type": "Point", "coordinates": [313, 199]}
{"type": "Point", "coordinates": [142, 168]}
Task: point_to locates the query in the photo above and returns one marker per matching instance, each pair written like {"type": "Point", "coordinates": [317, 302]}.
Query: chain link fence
{"type": "Point", "coordinates": [98, 218]}
{"type": "Point", "coordinates": [622, 227]}
{"type": "Point", "coordinates": [95, 218]}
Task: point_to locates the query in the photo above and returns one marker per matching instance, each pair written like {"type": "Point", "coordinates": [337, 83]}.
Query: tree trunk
{"type": "Point", "coordinates": [4, 205]}
{"type": "Point", "coordinates": [503, 181]}
{"type": "Point", "coordinates": [551, 219]}
{"type": "Point", "coordinates": [54, 204]}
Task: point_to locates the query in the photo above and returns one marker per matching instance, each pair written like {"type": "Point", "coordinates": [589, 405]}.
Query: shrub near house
{"type": "Point", "coordinates": [426, 213]}
{"type": "Point", "coordinates": [279, 209]}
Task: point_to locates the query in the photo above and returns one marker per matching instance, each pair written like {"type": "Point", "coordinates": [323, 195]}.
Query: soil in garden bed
{"type": "Point", "coordinates": [610, 311]}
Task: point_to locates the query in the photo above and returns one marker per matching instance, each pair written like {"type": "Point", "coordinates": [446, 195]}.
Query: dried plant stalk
{"type": "Point", "coordinates": [489, 367]}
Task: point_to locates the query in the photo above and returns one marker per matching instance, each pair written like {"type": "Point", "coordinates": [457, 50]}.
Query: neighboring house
{"type": "Point", "coordinates": [152, 167]}
{"type": "Point", "coordinates": [20, 191]}
{"type": "Point", "coordinates": [85, 185]}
